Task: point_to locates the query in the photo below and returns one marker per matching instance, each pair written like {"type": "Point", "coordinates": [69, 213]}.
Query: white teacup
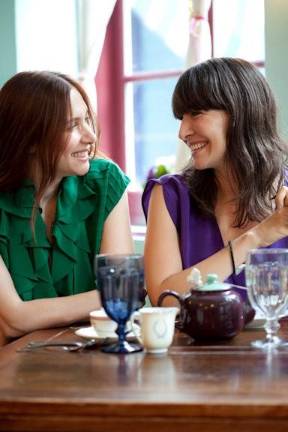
{"type": "Point", "coordinates": [103, 325]}
{"type": "Point", "coordinates": [157, 328]}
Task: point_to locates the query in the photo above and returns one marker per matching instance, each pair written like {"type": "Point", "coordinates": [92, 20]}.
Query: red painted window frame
{"type": "Point", "coordinates": [110, 104]}
{"type": "Point", "coordinates": [110, 75]}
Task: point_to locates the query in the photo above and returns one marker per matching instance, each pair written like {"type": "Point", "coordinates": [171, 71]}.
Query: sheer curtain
{"type": "Point", "coordinates": [93, 18]}
{"type": "Point", "coordinates": [199, 49]}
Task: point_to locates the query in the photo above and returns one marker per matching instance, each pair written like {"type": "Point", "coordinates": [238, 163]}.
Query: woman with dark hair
{"type": "Point", "coordinates": [232, 196]}
{"type": "Point", "coordinates": [60, 203]}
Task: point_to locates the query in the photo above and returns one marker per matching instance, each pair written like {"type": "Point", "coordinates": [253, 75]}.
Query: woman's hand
{"type": "Point", "coordinates": [281, 199]}
{"type": "Point", "coordinates": [275, 226]}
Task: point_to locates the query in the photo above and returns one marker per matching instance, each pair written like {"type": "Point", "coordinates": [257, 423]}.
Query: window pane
{"type": "Point", "coordinates": [159, 34]}
{"type": "Point", "coordinates": [238, 29]}
{"type": "Point", "coordinates": [155, 127]}
{"type": "Point", "coordinates": [156, 39]}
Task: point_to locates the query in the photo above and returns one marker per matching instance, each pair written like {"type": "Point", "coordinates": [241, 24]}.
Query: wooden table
{"type": "Point", "coordinates": [226, 387]}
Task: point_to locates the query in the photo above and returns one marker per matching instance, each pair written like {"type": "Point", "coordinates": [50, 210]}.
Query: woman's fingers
{"type": "Point", "coordinates": [281, 198]}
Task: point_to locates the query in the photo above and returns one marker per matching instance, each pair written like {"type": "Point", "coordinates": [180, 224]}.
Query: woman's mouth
{"type": "Point", "coordinates": [82, 155]}
{"type": "Point", "coordinates": [197, 146]}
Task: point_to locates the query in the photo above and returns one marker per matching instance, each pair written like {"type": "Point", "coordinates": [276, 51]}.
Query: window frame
{"type": "Point", "coordinates": [111, 110]}
{"type": "Point", "coordinates": [111, 104]}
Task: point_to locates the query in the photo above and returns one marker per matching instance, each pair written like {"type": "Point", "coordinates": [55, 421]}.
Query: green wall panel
{"type": "Point", "coordinates": [8, 58]}
{"type": "Point", "coordinates": [276, 37]}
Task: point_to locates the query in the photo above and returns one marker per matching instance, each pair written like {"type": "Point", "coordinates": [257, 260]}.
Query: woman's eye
{"type": "Point", "coordinates": [78, 122]}
{"type": "Point", "coordinates": [195, 113]}
{"type": "Point", "coordinates": [72, 124]}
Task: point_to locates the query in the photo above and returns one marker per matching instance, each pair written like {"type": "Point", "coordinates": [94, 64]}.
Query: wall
{"type": "Point", "coordinates": [38, 34]}
{"type": "Point", "coordinates": [7, 40]}
{"type": "Point", "coordinates": [276, 36]}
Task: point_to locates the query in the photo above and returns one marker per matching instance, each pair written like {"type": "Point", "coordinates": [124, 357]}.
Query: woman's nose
{"type": "Point", "coordinates": [185, 128]}
{"type": "Point", "coordinates": [88, 133]}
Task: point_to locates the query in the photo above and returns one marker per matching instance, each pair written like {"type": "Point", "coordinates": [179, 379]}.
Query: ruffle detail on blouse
{"type": "Point", "coordinates": [25, 258]}
{"type": "Point", "coordinates": [41, 270]}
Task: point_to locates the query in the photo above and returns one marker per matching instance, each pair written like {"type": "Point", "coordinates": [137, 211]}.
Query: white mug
{"type": "Point", "coordinates": [157, 328]}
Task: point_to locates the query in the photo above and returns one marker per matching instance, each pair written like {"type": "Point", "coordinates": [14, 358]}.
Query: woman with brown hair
{"type": "Point", "coordinates": [232, 197]}
{"type": "Point", "coordinates": [60, 203]}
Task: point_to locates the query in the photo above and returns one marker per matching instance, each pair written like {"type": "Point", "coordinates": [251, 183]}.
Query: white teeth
{"type": "Point", "coordinates": [197, 146]}
{"type": "Point", "coordinates": [81, 154]}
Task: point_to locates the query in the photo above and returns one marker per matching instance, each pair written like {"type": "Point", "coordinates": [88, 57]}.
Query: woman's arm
{"type": "Point", "coordinates": [163, 265]}
{"type": "Point", "coordinates": [18, 317]}
{"type": "Point", "coordinates": [117, 237]}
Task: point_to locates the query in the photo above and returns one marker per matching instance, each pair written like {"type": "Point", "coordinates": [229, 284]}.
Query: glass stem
{"type": "Point", "coordinates": [272, 326]}
{"type": "Point", "coordinates": [121, 334]}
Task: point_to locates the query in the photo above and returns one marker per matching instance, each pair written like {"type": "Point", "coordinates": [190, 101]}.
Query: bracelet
{"type": "Point", "coordinates": [231, 256]}
{"type": "Point", "coordinates": [236, 270]}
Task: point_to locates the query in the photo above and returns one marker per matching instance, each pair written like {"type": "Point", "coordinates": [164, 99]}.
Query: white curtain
{"type": "Point", "coordinates": [93, 18]}
{"type": "Point", "coordinates": [199, 49]}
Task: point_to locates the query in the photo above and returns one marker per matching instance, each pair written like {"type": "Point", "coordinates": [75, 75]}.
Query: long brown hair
{"type": "Point", "coordinates": [255, 153]}
{"type": "Point", "coordinates": [34, 107]}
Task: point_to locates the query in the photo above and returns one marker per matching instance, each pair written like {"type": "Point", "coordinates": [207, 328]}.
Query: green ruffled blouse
{"type": "Point", "coordinates": [40, 269]}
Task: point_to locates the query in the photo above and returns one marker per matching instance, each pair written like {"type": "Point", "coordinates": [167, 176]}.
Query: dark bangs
{"type": "Point", "coordinates": [197, 90]}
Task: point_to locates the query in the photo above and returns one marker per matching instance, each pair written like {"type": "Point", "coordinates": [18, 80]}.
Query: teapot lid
{"type": "Point", "coordinates": [212, 282]}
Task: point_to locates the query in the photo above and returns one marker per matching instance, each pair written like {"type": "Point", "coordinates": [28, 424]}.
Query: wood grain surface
{"type": "Point", "coordinates": [228, 386]}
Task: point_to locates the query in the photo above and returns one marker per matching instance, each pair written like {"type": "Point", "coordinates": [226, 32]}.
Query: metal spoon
{"type": "Point", "coordinates": [65, 345]}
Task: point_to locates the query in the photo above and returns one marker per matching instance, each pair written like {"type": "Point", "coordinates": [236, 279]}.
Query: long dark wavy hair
{"type": "Point", "coordinates": [34, 108]}
{"type": "Point", "coordinates": [255, 153]}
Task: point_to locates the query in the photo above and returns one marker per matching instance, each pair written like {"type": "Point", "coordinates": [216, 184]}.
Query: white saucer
{"type": "Point", "coordinates": [90, 333]}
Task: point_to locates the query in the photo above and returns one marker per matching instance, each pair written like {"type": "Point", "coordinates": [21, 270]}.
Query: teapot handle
{"type": "Point", "coordinates": [179, 322]}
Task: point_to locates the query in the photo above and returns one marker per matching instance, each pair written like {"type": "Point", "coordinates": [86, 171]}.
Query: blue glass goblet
{"type": "Point", "coordinates": [120, 279]}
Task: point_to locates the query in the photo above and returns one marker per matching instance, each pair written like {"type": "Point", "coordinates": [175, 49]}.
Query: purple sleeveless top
{"type": "Point", "coordinates": [199, 236]}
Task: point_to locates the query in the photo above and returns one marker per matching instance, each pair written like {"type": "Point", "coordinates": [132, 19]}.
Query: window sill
{"type": "Point", "coordinates": [138, 231]}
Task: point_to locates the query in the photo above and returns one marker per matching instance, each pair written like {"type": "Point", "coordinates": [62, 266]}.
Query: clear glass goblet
{"type": "Point", "coordinates": [266, 274]}
{"type": "Point", "coordinates": [120, 279]}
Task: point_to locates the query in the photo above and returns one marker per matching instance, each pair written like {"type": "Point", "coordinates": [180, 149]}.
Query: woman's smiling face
{"type": "Point", "coordinates": [205, 134]}
{"type": "Point", "coordinates": [75, 158]}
